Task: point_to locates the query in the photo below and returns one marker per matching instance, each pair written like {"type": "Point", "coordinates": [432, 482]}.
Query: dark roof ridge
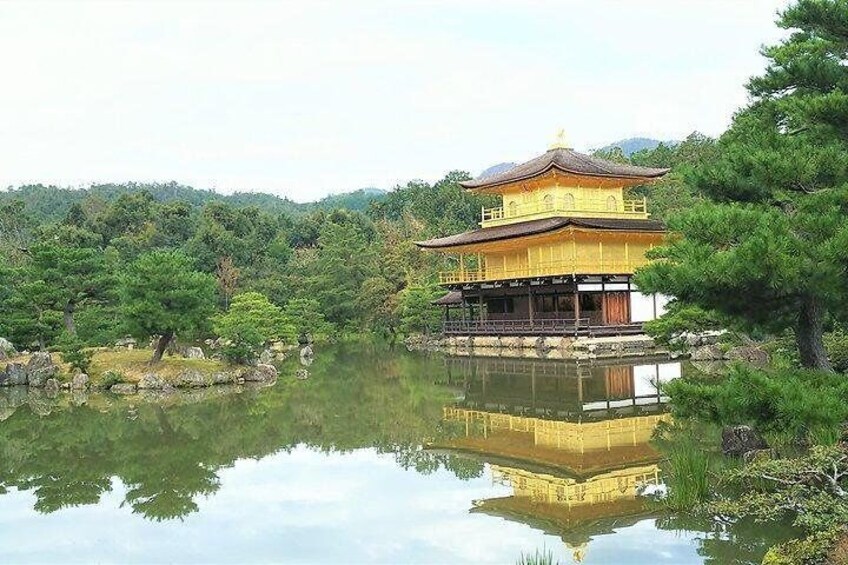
{"type": "Point", "coordinates": [568, 161]}
{"type": "Point", "coordinates": [537, 227]}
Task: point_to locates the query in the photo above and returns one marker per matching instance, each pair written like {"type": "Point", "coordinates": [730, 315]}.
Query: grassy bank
{"type": "Point", "coordinates": [129, 365]}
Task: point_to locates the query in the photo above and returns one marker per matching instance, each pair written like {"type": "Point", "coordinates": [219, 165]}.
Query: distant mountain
{"type": "Point", "coordinates": [632, 145]}
{"type": "Point", "coordinates": [45, 203]}
{"type": "Point", "coordinates": [628, 147]}
{"type": "Point", "coordinates": [496, 169]}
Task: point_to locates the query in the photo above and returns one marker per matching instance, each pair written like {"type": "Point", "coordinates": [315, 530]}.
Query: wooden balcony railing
{"type": "Point", "coordinates": [544, 269]}
{"type": "Point", "coordinates": [537, 326]}
{"type": "Point", "coordinates": [597, 208]}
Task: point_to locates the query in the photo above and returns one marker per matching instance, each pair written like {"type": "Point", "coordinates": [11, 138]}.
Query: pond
{"type": "Point", "coordinates": [380, 456]}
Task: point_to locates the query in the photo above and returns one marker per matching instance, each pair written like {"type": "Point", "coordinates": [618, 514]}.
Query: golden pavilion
{"type": "Point", "coordinates": [557, 256]}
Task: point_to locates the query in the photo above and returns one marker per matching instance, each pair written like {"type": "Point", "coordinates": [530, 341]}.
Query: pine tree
{"type": "Point", "coordinates": [771, 248]}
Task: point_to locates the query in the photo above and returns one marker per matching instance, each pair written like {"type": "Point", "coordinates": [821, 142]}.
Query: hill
{"type": "Point", "coordinates": [47, 203]}
{"type": "Point", "coordinates": [631, 145]}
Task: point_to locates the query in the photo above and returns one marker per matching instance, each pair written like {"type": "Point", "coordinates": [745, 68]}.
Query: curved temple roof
{"type": "Point", "coordinates": [567, 161]}
{"type": "Point", "coordinates": [535, 227]}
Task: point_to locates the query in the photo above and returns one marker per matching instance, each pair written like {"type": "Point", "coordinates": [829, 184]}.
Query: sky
{"type": "Point", "coordinates": [302, 99]}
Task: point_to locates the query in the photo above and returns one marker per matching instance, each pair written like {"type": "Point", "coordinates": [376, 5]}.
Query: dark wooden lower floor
{"type": "Point", "coordinates": [595, 307]}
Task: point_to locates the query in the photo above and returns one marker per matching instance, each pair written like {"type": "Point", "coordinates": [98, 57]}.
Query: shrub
{"type": "Point", "coordinates": [249, 323]}
{"type": "Point", "coordinates": [795, 402]}
{"type": "Point", "coordinates": [112, 378]}
{"type": "Point", "coordinates": [71, 349]}
{"type": "Point", "coordinates": [306, 317]}
{"type": "Point", "coordinates": [239, 352]}
{"type": "Point", "coordinates": [682, 318]}
{"type": "Point", "coordinates": [811, 550]}
{"type": "Point", "coordinates": [538, 557]}
{"type": "Point", "coordinates": [836, 343]}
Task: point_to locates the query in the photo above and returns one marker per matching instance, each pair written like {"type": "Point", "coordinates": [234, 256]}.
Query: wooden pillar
{"type": "Point", "coordinates": [604, 303]}
{"type": "Point", "coordinates": [576, 307]}
{"type": "Point", "coordinates": [480, 306]}
{"type": "Point", "coordinates": [530, 306]}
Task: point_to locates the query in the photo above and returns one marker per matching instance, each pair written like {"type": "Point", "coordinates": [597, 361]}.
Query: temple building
{"type": "Point", "coordinates": [557, 256]}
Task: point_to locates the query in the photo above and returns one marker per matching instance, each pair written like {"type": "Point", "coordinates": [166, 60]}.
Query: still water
{"type": "Point", "coordinates": [380, 456]}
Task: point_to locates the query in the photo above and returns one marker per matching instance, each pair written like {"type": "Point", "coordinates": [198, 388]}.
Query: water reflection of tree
{"type": "Point", "coordinates": [168, 455]}
{"type": "Point", "coordinates": [742, 542]}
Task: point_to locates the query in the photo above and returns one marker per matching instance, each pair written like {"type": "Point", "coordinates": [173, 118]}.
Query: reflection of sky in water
{"type": "Point", "coordinates": [306, 506]}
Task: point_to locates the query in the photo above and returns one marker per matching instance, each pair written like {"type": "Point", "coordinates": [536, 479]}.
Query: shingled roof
{"type": "Point", "coordinates": [452, 298]}
{"type": "Point", "coordinates": [535, 227]}
{"type": "Point", "coordinates": [567, 161]}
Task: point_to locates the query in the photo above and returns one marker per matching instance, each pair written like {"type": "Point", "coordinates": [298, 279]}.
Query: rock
{"type": "Point", "coordinates": [6, 349]}
{"type": "Point", "coordinates": [306, 355]}
{"type": "Point", "coordinates": [736, 441]}
{"type": "Point", "coordinates": [710, 367]}
{"type": "Point", "coordinates": [553, 342]}
{"type": "Point", "coordinates": [80, 382]}
{"type": "Point", "coordinates": [192, 379]}
{"type": "Point", "coordinates": [266, 357]}
{"type": "Point", "coordinates": [127, 342]}
{"type": "Point", "coordinates": [304, 339]}
{"type": "Point", "coordinates": [758, 455]}
{"type": "Point", "coordinates": [152, 381]}
{"type": "Point", "coordinates": [261, 373]}
{"type": "Point", "coordinates": [39, 402]}
{"type": "Point", "coordinates": [302, 374]}
{"type": "Point", "coordinates": [193, 353]}
{"type": "Point", "coordinates": [14, 375]}
{"type": "Point", "coordinates": [40, 368]}
{"type": "Point", "coordinates": [51, 387]}
{"type": "Point", "coordinates": [79, 398]}
{"type": "Point", "coordinates": [691, 339]}
{"type": "Point", "coordinates": [707, 353]}
{"type": "Point", "coordinates": [223, 378]}
{"type": "Point", "coordinates": [486, 341]}
{"type": "Point", "coordinates": [278, 347]}
{"type": "Point", "coordinates": [748, 354]}
{"type": "Point", "coordinates": [123, 388]}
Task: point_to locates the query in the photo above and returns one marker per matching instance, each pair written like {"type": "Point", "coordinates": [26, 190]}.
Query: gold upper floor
{"type": "Point", "coordinates": [558, 194]}
{"type": "Point", "coordinates": [570, 252]}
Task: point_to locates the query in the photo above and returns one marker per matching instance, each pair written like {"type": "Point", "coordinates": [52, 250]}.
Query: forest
{"type": "Point", "coordinates": [344, 266]}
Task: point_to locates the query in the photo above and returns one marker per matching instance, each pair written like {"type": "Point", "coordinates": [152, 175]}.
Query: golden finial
{"type": "Point", "coordinates": [561, 141]}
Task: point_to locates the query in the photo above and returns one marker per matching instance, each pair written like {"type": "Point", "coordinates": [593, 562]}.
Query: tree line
{"type": "Point", "coordinates": [140, 263]}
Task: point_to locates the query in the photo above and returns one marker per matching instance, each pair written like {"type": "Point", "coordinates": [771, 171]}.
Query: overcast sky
{"type": "Point", "coordinates": [306, 98]}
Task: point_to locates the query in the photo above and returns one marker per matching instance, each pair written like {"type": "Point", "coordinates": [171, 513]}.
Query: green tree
{"type": "Point", "coordinates": [28, 320]}
{"type": "Point", "coordinates": [344, 261]}
{"type": "Point", "coordinates": [771, 250]}
{"type": "Point", "coordinates": [250, 322]}
{"type": "Point", "coordinates": [415, 310]}
{"type": "Point", "coordinates": [162, 294]}
{"type": "Point", "coordinates": [73, 352]}
{"type": "Point", "coordinates": [305, 315]}
{"type": "Point", "coordinates": [72, 267]}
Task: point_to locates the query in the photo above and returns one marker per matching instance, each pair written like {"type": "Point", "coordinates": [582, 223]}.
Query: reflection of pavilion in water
{"type": "Point", "coordinates": [572, 441]}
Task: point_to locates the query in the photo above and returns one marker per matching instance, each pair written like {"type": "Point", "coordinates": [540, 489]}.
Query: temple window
{"type": "Point", "coordinates": [512, 208]}
{"type": "Point", "coordinates": [612, 204]}
{"type": "Point", "coordinates": [548, 202]}
{"type": "Point", "coordinates": [568, 201]}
